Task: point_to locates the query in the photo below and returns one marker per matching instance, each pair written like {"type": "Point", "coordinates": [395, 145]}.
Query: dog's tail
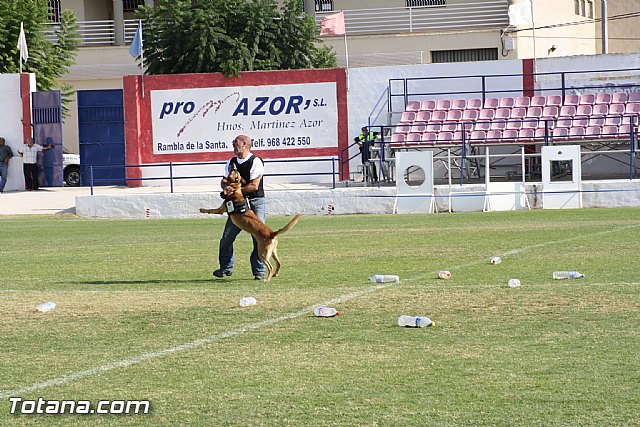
{"type": "Point", "coordinates": [286, 227]}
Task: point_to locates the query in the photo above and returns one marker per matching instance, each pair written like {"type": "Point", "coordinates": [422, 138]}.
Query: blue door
{"type": "Point", "coordinates": [101, 137]}
{"type": "Point", "coordinates": [46, 114]}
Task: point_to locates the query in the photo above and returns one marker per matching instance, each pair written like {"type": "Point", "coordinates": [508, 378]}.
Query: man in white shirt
{"type": "Point", "coordinates": [29, 155]}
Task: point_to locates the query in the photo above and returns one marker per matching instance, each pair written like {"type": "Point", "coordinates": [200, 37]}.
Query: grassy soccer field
{"type": "Point", "coordinates": [139, 317]}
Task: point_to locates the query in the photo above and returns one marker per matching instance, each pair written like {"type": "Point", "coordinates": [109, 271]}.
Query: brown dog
{"type": "Point", "coordinates": [248, 221]}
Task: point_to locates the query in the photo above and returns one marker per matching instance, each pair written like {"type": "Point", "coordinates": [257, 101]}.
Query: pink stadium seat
{"type": "Point", "coordinates": [613, 121]}
{"type": "Point", "coordinates": [576, 132]}
{"type": "Point", "coordinates": [598, 121]}
{"type": "Point", "coordinates": [483, 125]}
{"type": "Point", "coordinates": [443, 104]}
{"type": "Point", "coordinates": [418, 128]}
{"type": "Point", "coordinates": [631, 119]}
{"type": "Point", "coordinates": [434, 127]}
{"type": "Point", "coordinates": [587, 99]}
{"type": "Point", "coordinates": [572, 100]}
{"type": "Point", "coordinates": [449, 127]}
{"type": "Point", "coordinates": [470, 115]}
{"type": "Point", "coordinates": [624, 131]}
{"type": "Point", "coordinates": [554, 101]}
{"type": "Point", "coordinates": [509, 135]}
{"type": "Point", "coordinates": [423, 116]}
{"type": "Point", "coordinates": [428, 105]}
{"type": "Point", "coordinates": [560, 133]}
{"type": "Point", "coordinates": [634, 97]}
{"type": "Point", "coordinates": [564, 122]}
{"type": "Point", "coordinates": [619, 98]}
{"type": "Point", "coordinates": [600, 109]}
{"type": "Point", "coordinates": [454, 115]}
{"type": "Point", "coordinates": [584, 110]}
{"type": "Point", "coordinates": [548, 122]}
{"type": "Point", "coordinates": [616, 108]}
{"type": "Point", "coordinates": [413, 106]}
{"type": "Point", "coordinates": [444, 137]}
{"type": "Point", "coordinates": [486, 114]}
{"type": "Point", "coordinates": [603, 98]}
{"type": "Point", "coordinates": [526, 134]}
{"type": "Point", "coordinates": [518, 113]}
{"type": "Point", "coordinates": [568, 110]}
{"type": "Point", "coordinates": [609, 131]}
{"type": "Point", "coordinates": [468, 126]}
{"type": "Point", "coordinates": [397, 137]}
{"type": "Point", "coordinates": [478, 135]}
{"type": "Point", "coordinates": [550, 111]}
{"type": "Point", "coordinates": [438, 116]}
{"type": "Point", "coordinates": [534, 112]}
{"type": "Point", "coordinates": [592, 132]}
{"type": "Point", "coordinates": [514, 124]}
{"type": "Point", "coordinates": [498, 124]}
{"type": "Point", "coordinates": [632, 108]}
{"type": "Point", "coordinates": [457, 136]}
{"type": "Point", "coordinates": [474, 104]}
{"type": "Point", "coordinates": [414, 137]}
{"type": "Point", "coordinates": [429, 137]}
{"type": "Point", "coordinates": [494, 135]}
{"type": "Point", "coordinates": [458, 104]}
{"type": "Point", "coordinates": [540, 133]}
{"type": "Point", "coordinates": [403, 127]}
{"type": "Point", "coordinates": [492, 103]}
{"type": "Point", "coordinates": [522, 101]}
{"type": "Point", "coordinates": [503, 113]}
{"type": "Point", "coordinates": [530, 123]}
{"type": "Point", "coordinates": [408, 117]}
{"type": "Point", "coordinates": [538, 101]}
{"type": "Point", "coordinates": [580, 122]}
{"type": "Point", "coordinates": [507, 102]}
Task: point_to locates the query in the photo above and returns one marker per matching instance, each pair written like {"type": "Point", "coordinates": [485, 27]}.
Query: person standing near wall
{"type": "Point", "coordinates": [29, 155]}
{"type": "Point", "coordinates": [5, 155]}
{"type": "Point", "coordinates": [365, 141]}
{"type": "Point", "coordinates": [251, 169]}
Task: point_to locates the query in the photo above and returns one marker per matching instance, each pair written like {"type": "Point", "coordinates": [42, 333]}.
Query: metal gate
{"type": "Point", "coordinates": [101, 137]}
{"type": "Point", "coordinates": [46, 113]}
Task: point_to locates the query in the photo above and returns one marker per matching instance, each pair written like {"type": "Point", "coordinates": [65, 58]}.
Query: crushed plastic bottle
{"type": "Point", "coordinates": [513, 283]}
{"type": "Point", "coordinates": [46, 307]}
{"type": "Point", "coordinates": [326, 312]}
{"type": "Point", "coordinates": [415, 321]}
{"type": "Point", "coordinates": [495, 260]}
{"type": "Point", "coordinates": [247, 301]}
{"type": "Point", "coordinates": [567, 275]}
{"type": "Point", "coordinates": [444, 274]}
{"type": "Point", "coordinates": [384, 278]}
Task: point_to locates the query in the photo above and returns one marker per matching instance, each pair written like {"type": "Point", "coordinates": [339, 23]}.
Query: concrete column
{"type": "Point", "coordinates": [118, 21]}
{"type": "Point", "coordinates": [605, 32]}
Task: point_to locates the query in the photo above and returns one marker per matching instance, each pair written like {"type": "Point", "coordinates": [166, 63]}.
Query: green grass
{"type": "Point", "coordinates": [547, 353]}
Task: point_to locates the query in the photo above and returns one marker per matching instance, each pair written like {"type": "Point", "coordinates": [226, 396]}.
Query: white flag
{"type": "Point", "coordinates": [22, 46]}
{"type": "Point", "coordinates": [136, 44]}
{"type": "Point", "coordinates": [520, 13]}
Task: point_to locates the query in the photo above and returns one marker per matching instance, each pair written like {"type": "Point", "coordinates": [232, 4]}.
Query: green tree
{"type": "Point", "coordinates": [48, 60]}
{"type": "Point", "coordinates": [230, 36]}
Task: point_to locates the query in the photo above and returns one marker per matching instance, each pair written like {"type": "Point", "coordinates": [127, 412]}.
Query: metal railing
{"type": "Point", "coordinates": [95, 32]}
{"type": "Point", "coordinates": [463, 16]}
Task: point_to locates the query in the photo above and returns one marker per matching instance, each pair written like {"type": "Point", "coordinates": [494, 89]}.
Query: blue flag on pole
{"type": "Point", "coordinates": [136, 44]}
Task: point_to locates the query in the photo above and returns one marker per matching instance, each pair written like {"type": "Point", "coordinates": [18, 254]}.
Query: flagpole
{"type": "Point", "coordinates": [346, 53]}
{"type": "Point", "coordinates": [141, 59]}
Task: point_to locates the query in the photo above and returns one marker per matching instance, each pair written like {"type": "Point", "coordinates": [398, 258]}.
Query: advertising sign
{"type": "Point", "coordinates": [206, 120]}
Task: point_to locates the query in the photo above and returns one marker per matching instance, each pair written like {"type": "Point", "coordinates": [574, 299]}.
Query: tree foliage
{"type": "Point", "coordinates": [49, 61]}
{"type": "Point", "coordinates": [230, 36]}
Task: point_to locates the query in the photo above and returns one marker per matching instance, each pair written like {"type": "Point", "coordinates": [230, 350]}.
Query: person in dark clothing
{"type": "Point", "coordinates": [365, 141]}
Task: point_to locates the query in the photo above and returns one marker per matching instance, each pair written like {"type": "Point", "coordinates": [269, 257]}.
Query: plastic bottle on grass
{"type": "Point", "coordinates": [444, 274]}
{"type": "Point", "coordinates": [384, 278]}
{"type": "Point", "coordinates": [567, 275]}
{"type": "Point", "coordinates": [326, 312]}
{"type": "Point", "coordinates": [495, 260]}
{"type": "Point", "coordinates": [415, 321]}
{"type": "Point", "coordinates": [513, 283]}
{"type": "Point", "coordinates": [46, 307]}
{"type": "Point", "coordinates": [247, 301]}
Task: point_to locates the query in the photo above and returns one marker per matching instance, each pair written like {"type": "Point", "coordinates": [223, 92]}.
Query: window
{"type": "Point", "coordinates": [54, 11]}
{"type": "Point", "coordinates": [464, 55]}
{"type": "Point", "coordinates": [583, 8]}
{"type": "Point", "coordinates": [418, 3]}
{"type": "Point", "coordinates": [324, 5]}
{"type": "Point", "coordinates": [131, 5]}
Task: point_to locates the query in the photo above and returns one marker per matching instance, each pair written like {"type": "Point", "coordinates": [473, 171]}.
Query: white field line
{"type": "Point", "coordinates": [258, 325]}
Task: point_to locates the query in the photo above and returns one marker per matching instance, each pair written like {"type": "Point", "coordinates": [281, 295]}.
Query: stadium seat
{"type": "Point", "coordinates": [458, 104]}
{"type": "Point", "coordinates": [506, 102]}
{"type": "Point", "coordinates": [526, 134]}
{"type": "Point", "coordinates": [580, 121]}
{"type": "Point", "coordinates": [554, 101]}
{"type": "Point", "coordinates": [633, 97]}
{"type": "Point", "coordinates": [449, 126]}
{"type": "Point", "coordinates": [443, 104]}
{"type": "Point", "coordinates": [600, 109]}
{"type": "Point", "coordinates": [413, 106]}
{"type": "Point", "coordinates": [470, 115]}
{"type": "Point", "coordinates": [592, 132]}
{"type": "Point", "coordinates": [482, 125]}
{"type": "Point", "coordinates": [403, 127]}
{"type": "Point", "coordinates": [417, 128]}
{"type": "Point", "coordinates": [518, 113]}
{"type": "Point", "coordinates": [444, 137]}
{"type": "Point", "coordinates": [598, 121]}
{"type": "Point", "coordinates": [560, 133]}
{"type": "Point", "coordinates": [397, 137]}
{"type": "Point", "coordinates": [538, 101]}
{"type": "Point", "coordinates": [609, 131]}
{"type": "Point", "coordinates": [534, 112]}
{"type": "Point", "coordinates": [492, 103]}
{"type": "Point", "coordinates": [522, 102]}
{"type": "Point", "coordinates": [428, 105]}
{"type": "Point", "coordinates": [603, 98]}
{"type": "Point", "coordinates": [494, 135]}
{"type": "Point", "coordinates": [572, 100]}
{"type": "Point", "coordinates": [584, 110]}
{"type": "Point", "coordinates": [474, 104]}
{"type": "Point", "coordinates": [568, 110]}
{"type": "Point", "coordinates": [438, 116]}
{"type": "Point", "coordinates": [454, 115]}
{"type": "Point", "coordinates": [576, 132]}
{"type": "Point", "coordinates": [503, 113]}
{"type": "Point", "coordinates": [510, 135]}
{"type": "Point", "coordinates": [414, 137]}
{"type": "Point", "coordinates": [434, 127]}
{"type": "Point", "coordinates": [459, 136]}
{"type": "Point", "coordinates": [530, 123]}
{"type": "Point", "coordinates": [564, 122]}
{"type": "Point", "coordinates": [486, 114]}
{"type": "Point", "coordinates": [619, 98]}
{"type": "Point", "coordinates": [514, 124]}
{"type": "Point", "coordinates": [423, 116]}
{"type": "Point", "coordinates": [477, 136]}
{"type": "Point", "coordinates": [616, 109]}
{"type": "Point", "coordinates": [429, 137]}
{"type": "Point", "coordinates": [624, 130]}
{"type": "Point", "coordinates": [498, 124]}
{"type": "Point", "coordinates": [632, 108]}
{"type": "Point", "coordinates": [407, 117]}
{"type": "Point", "coordinates": [631, 119]}
{"type": "Point", "coordinates": [613, 120]}
{"type": "Point", "coordinates": [550, 111]}
{"type": "Point", "coordinates": [587, 99]}
{"type": "Point", "coordinates": [540, 133]}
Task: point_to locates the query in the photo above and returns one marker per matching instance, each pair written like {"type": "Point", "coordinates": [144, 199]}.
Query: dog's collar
{"type": "Point", "coordinates": [237, 207]}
